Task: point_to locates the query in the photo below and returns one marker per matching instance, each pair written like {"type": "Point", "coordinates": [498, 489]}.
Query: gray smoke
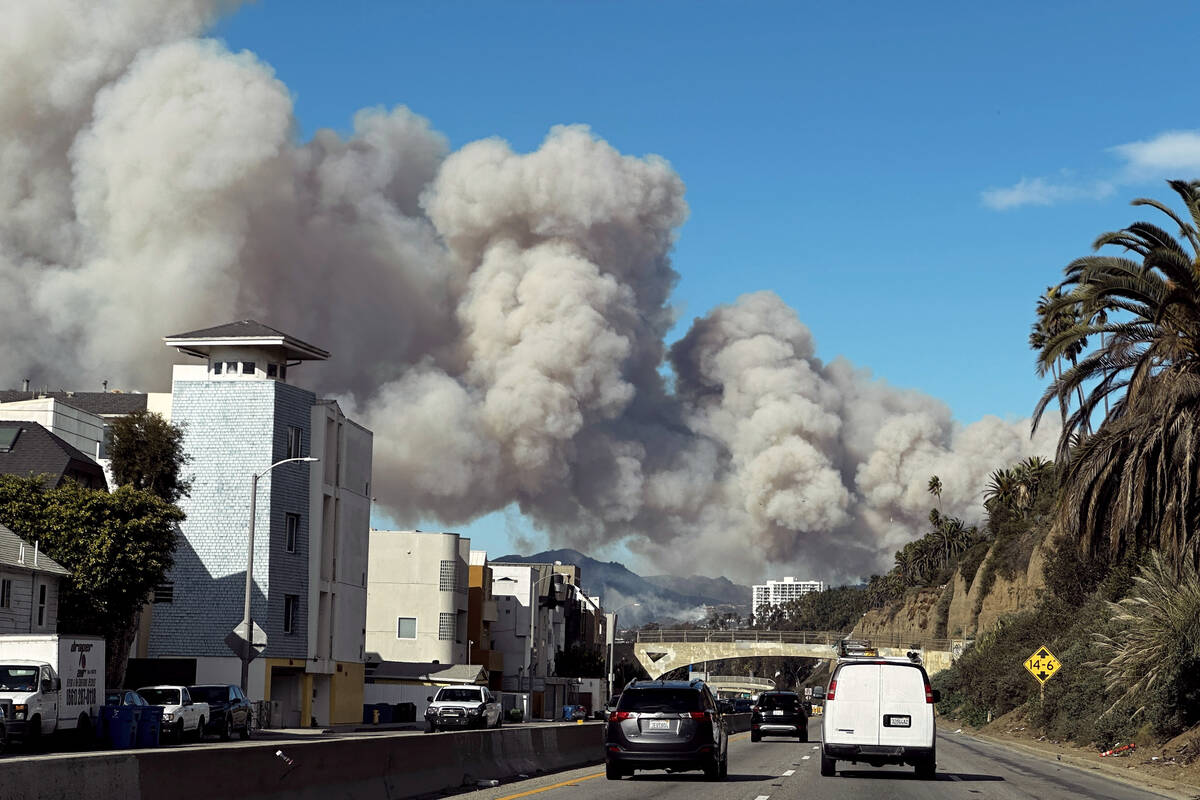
{"type": "Point", "coordinates": [497, 318]}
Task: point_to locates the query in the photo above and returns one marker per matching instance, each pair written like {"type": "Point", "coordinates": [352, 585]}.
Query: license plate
{"type": "Point", "coordinates": [658, 725]}
{"type": "Point", "coordinates": [897, 721]}
{"type": "Point", "coordinates": [777, 713]}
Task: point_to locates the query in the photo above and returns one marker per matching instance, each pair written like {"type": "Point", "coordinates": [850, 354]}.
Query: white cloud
{"type": "Point", "coordinates": [1172, 154]}
{"type": "Point", "coordinates": [1043, 192]}
{"type": "Point", "coordinates": [1164, 156]}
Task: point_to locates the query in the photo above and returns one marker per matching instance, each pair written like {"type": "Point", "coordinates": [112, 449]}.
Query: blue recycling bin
{"type": "Point", "coordinates": [149, 726]}
{"type": "Point", "coordinates": [121, 730]}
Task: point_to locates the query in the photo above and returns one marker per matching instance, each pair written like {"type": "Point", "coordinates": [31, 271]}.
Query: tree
{"type": "Point", "coordinates": [935, 488]}
{"type": "Point", "coordinates": [1132, 484]}
{"type": "Point", "coordinates": [118, 547]}
{"type": "Point", "coordinates": [147, 453]}
{"type": "Point", "coordinates": [1154, 654]}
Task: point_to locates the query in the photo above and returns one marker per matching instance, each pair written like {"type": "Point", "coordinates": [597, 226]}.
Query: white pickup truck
{"type": "Point", "coordinates": [181, 715]}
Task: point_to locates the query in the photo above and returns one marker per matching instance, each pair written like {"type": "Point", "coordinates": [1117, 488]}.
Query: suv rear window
{"type": "Point", "coordinates": [783, 702]}
{"type": "Point", "coordinates": [651, 700]}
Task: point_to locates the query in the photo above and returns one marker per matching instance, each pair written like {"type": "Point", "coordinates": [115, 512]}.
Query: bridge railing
{"type": "Point", "coordinates": [830, 638]}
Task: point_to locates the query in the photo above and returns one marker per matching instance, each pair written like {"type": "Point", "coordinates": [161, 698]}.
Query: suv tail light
{"type": "Point", "coordinates": [754, 709]}
{"type": "Point", "coordinates": [617, 716]}
{"type": "Point", "coordinates": [829, 692]}
{"type": "Point", "coordinates": [704, 715]}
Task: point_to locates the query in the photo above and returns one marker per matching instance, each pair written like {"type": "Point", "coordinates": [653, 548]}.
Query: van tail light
{"type": "Point", "coordinates": [830, 690]}
{"type": "Point", "coordinates": [702, 715]}
{"type": "Point", "coordinates": [617, 716]}
{"type": "Point", "coordinates": [928, 692]}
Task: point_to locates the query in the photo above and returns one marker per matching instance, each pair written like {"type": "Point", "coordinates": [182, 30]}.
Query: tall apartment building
{"type": "Point", "coordinates": [241, 415]}
{"type": "Point", "coordinates": [778, 593]}
{"type": "Point", "coordinates": [417, 597]}
{"type": "Point", "coordinates": [482, 612]}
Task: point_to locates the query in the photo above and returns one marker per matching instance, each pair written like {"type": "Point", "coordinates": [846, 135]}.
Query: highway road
{"type": "Point", "coordinates": [780, 769]}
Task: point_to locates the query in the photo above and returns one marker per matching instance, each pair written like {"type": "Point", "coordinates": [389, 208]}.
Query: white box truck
{"type": "Point", "coordinates": [50, 683]}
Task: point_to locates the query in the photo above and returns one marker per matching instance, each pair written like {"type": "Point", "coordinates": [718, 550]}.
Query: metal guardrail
{"type": "Point", "coordinates": [829, 638]}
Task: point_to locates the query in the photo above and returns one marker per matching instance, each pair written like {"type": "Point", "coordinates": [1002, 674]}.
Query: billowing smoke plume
{"type": "Point", "coordinates": [498, 319]}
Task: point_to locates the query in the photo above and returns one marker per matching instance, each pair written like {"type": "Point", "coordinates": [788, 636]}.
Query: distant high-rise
{"type": "Point", "coordinates": [776, 593]}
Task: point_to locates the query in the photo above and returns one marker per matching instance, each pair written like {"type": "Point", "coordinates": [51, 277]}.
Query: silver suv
{"type": "Point", "coordinates": [671, 725]}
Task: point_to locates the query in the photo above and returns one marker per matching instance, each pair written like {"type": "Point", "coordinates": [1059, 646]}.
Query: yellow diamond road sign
{"type": "Point", "coordinates": [1042, 665]}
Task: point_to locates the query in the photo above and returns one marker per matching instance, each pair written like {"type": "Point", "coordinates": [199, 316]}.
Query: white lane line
{"type": "Point", "coordinates": [789, 773]}
{"type": "Point", "coordinates": [805, 758]}
{"type": "Point", "coordinates": [816, 747]}
{"type": "Point", "coordinates": [763, 797]}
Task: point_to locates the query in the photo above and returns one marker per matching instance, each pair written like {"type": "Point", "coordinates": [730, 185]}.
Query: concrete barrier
{"type": "Point", "coordinates": [366, 767]}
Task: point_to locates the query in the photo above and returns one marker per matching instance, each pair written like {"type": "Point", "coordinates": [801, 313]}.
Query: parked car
{"type": "Point", "coordinates": [671, 725]}
{"type": "Point", "coordinates": [228, 709]}
{"type": "Point", "coordinates": [742, 705]}
{"type": "Point", "coordinates": [124, 697]}
{"type": "Point", "coordinates": [879, 711]}
{"type": "Point", "coordinates": [778, 713]}
{"type": "Point", "coordinates": [466, 706]}
{"type": "Point", "coordinates": [182, 716]}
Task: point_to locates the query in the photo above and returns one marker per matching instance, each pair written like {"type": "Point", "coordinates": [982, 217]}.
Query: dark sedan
{"type": "Point", "coordinates": [229, 710]}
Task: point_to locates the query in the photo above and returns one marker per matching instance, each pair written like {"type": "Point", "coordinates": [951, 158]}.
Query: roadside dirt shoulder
{"type": "Point", "coordinates": [1172, 768]}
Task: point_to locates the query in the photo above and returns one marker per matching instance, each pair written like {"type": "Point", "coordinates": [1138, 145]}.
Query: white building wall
{"type": "Point", "coordinates": [511, 589]}
{"type": "Point", "coordinates": [74, 426]}
{"type": "Point", "coordinates": [339, 531]}
{"type": "Point", "coordinates": [404, 580]}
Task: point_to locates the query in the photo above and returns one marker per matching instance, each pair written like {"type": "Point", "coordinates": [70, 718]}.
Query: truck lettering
{"type": "Point", "coordinates": [82, 647]}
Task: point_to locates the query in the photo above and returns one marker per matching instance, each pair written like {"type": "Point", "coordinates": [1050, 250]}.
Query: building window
{"type": "Point", "coordinates": [41, 617]}
{"type": "Point", "coordinates": [6, 593]}
{"type": "Point", "coordinates": [216, 367]}
{"type": "Point", "coordinates": [447, 623]}
{"type": "Point", "coordinates": [293, 530]}
{"type": "Point", "coordinates": [247, 367]}
{"type": "Point", "coordinates": [231, 367]}
{"type": "Point", "coordinates": [406, 627]}
{"type": "Point", "coordinates": [290, 602]}
{"type": "Point", "coordinates": [294, 438]}
{"type": "Point", "coordinates": [448, 578]}
{"type": "Point", "coordinates": [272, 370]}
{"type": "Point", "coordinates": [164, 593]}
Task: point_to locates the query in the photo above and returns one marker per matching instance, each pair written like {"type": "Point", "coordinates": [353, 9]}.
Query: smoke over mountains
{"type": "Point", "coordinates": [497, 318]}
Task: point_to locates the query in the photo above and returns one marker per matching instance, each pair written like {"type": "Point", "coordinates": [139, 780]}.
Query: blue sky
{"type": "Point", "coordinates": [908, 177]}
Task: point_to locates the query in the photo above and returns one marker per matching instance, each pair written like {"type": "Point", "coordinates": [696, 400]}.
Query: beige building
{"type": "Point", "coordinates": [417, 597]}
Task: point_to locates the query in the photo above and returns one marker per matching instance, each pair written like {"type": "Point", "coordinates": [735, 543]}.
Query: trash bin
{"type": "Point", "coordinates": [405, 712]}
{"type": "Point", "coordinates": [368, 714]}
{"type": "Point", "coordinates": [568, 713]}
{"type": "Point", "coordinates": [122, 727]}
{"type": "Point", "coordinates": [149, 727]}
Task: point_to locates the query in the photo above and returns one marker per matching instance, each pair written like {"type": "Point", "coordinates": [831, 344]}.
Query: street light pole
{"type": "Point", "coordinates": [612, 651]}
{"type": "Point", "coordinates": [247, 623]}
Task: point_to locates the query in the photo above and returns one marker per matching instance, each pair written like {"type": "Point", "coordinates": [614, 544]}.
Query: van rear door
{"type": "Point", "coordinates": [905, 718]}
{"type": "Point", "coordinates": [853, 714]}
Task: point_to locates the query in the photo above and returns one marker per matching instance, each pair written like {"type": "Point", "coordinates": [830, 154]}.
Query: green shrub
{"type": "Point", "coordinates": [969, 564]}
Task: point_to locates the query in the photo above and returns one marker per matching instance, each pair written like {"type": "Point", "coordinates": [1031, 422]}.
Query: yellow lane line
{"type": "Point", "coordinates": [580, 780]}
{"type": "Point", "coordinates": [548, 788]}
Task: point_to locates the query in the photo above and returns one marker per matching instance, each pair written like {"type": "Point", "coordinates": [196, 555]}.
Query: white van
{"type": "Point", "coordinates": [879, 711]}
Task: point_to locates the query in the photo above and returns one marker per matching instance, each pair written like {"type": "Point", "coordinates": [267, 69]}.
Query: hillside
{"type": "Point", "coordinates": [663, 599]}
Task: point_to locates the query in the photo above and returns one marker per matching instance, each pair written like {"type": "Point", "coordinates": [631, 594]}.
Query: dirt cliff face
{"type": "Point", "coordinates": [969, 610]}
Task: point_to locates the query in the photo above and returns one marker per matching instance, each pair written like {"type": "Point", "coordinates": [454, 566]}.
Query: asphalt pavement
{"type": "Point", "coordinates": [784, 769]}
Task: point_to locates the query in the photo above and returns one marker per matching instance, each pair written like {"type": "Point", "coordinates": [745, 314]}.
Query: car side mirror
{"type": "Point", "coordinates": [429, 699]}
{"type": "Point", "coordinates": [937, 695]}
{"type": "Point", "coordinates": [47, 686]}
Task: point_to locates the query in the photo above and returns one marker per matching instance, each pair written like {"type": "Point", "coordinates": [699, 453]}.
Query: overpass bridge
{"type": "Point", "coordinates": [664, 650]}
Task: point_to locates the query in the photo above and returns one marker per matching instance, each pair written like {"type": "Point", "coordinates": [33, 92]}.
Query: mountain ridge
{"type": "Point", "coordinates": [661, 598]}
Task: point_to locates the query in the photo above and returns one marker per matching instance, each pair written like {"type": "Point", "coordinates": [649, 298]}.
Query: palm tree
{"type": "Point", "coordinates": [1055, 315]}
{"type": "Point", "coordinates": [1157, 631]}
{"type": "Point", "coordinates": [1134, 483]}
{"type": "Point", "coordinates": [935, 488]}
{"type": "Point", "coordinates": [1003, 491]}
